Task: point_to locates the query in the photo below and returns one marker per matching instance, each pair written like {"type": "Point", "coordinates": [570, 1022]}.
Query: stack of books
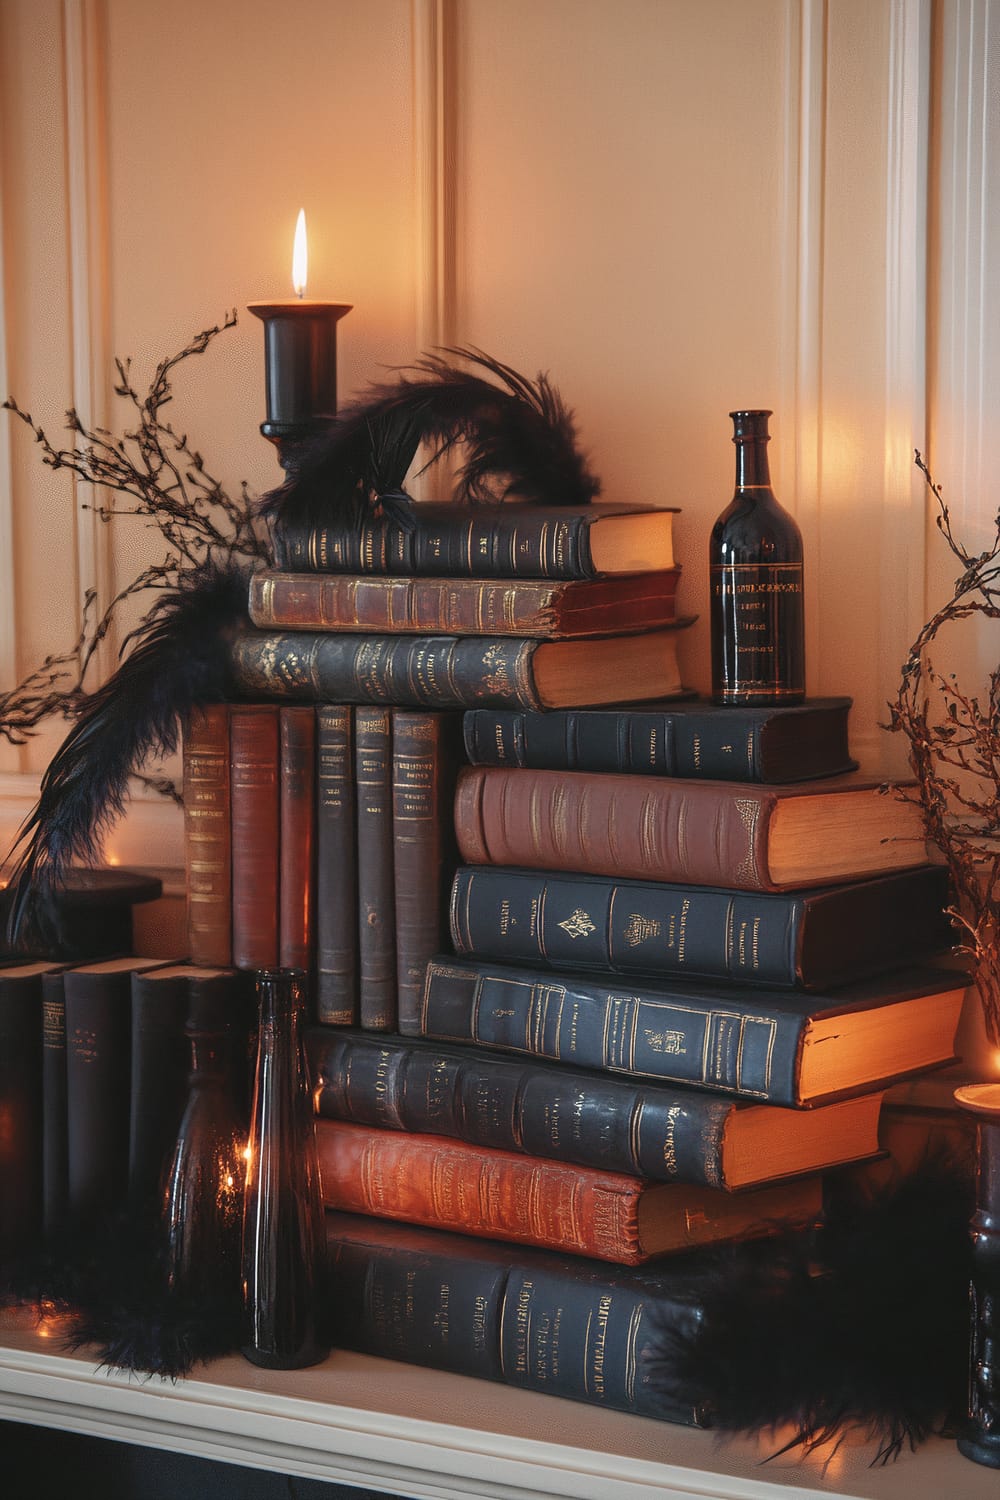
{"type": "Point", "coordinates": [319, 832]}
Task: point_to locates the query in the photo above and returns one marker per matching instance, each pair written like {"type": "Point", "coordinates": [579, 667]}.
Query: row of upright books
{"type": "Point", "coordinates": [681, 953]}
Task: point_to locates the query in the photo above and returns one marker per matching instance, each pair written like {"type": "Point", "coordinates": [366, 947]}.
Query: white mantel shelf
{"type": "Point", "coordinates": [408, 1431]}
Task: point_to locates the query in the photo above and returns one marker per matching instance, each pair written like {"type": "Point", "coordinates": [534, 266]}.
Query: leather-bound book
{"type": "Point", "coordinates": [813, 938]}
{"type": "Point", "coordinates": [336, 868]}
{"type": "Point", "coordinates": [376, 885]}
{"type": "Point", "coordinates": [513, 540]}
{"type": "Point", "coordinates": [464, 606]}
{"type": "Point", "coordinates": [784, 1046]}
{"type": "Point", "coordinates": [21, 1138]}
{"type": "Point", "coordinates": [547, 1109]}
{"type": "Point", "coordinates": [425, 756]}
{"type": "Point", "coordinates": [208, 836]}
{"type": "Point", "coordinates": [751, 838]}
{"type": "Point", "coordinates": [560, 1324]}
{"type": "Point", "coordinates": [254, 799]}
{"type": "Point", "coordinates": [297, 877]}
{"type": "Point", "coordinates": [448, 671]}
{"type": "Point", "coordinates": [55, 1137]}
{"type": "Point", "coordinates": [98, 1070]}
{"type": "Point", "coordinates": [699, 740]}
{"type": "Point", "coordinates": [479, 1190]}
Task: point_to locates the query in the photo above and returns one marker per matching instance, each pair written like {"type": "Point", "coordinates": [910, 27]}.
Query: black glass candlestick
{"type": "Point", "coordinates": [981, 1439]}
{"type": "Point", "coordinates": [300, 367]}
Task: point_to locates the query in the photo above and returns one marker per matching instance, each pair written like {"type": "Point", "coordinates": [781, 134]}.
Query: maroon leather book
{"type": "Point", "coordinates": [253, 769]}
{"type": "Point", "coordinates": [208, 836]}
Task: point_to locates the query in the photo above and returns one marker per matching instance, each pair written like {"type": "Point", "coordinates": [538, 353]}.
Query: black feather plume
{"type": "Point", "coordinates": [518, 439]}
{"type": "Point", "coordinates": [860, 1325]}
{"type": "Point", "coordinates": [175, 661]}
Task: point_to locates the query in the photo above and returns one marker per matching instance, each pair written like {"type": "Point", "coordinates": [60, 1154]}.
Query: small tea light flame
{"type": "Point", "coordinates": [300, 256]}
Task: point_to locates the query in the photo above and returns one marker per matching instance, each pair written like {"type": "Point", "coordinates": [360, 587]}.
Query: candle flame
{"type": "Point", "coordinates": [300, 256]}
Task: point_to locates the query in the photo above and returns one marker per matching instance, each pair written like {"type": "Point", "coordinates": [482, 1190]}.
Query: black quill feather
{"type": "Point", "coordinates": [518, 439]}
{"type": "Point", "coordinates": [175, 661]}
{"type": "Point", "coordinates": [860, 1325]}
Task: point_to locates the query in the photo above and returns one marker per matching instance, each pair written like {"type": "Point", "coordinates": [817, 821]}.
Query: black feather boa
{"type": "Point", "coordinates": [517, 439]}
{"type": "Point", "coordinates": [861, 1324]}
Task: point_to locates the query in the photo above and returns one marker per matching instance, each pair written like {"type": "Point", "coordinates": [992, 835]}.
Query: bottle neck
{"type": "Point", "coordinates": [752, 468]}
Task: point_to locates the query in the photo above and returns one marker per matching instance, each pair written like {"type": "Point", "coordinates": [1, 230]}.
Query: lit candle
{"type": "Point", "coordinates": [300, 355]}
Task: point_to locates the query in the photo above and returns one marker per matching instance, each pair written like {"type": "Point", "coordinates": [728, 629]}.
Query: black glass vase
{"type": "Point", "coordinates": [283, 1240]}
{"type": "Point", "coordinates": [203, 1182]}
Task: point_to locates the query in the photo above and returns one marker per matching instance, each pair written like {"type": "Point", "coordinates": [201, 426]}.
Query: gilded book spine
{"type": "Point", "coordinates": [256, 834]}
{"type": "Point", "coordinates": [429, 1180]}
{"type": "Point", "coordinates": [423, 671]}
{"type": "Point", "coordinates": [297, 820]}
{"type": "Point", "coordinates": [55, 1141]}
{"type": "Point", "coordinates": [336, 869]}
{"type": "Point", "coordinates": [207, 836]}
{"type": "Point", "coordinates": [376, 888]}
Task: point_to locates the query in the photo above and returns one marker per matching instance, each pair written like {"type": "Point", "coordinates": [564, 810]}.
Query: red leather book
{"type": "Point", "coordinates": [464, 606]}
{"type": "Point", "coordinates": [735, 834]}
{"type": "Point", "coordinates": [253, 751]}
{"type": "Point", "coordinates": [297, 873]}
{"type": "Point", "coordinates": [425, 755]}
{"type": "Point", "coordinates": [336, 868]}
{"type": "Point", "coordinates": [478, 1190]}
{"type": "Point", "coordinates": [376, 888]}
{"type": "Point", "coordinates": [208, 836]}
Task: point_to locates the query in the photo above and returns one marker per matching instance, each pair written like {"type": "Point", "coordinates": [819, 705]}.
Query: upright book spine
{"type": "Point", "coordinates": [494, 542]}
{"type": "Point", "coordinates": [297, 819]}
{"type": "Point", "coordinates": [563, 1325]}
{"type": "Point", "coordinates": [208, 836]}
{"type": "Point", "coordinates": [336, 869]}
{"type": "Point", "coordinates": [158, 1080]}
{"type": "Point", "coordinates": [21, 1140]}
{"type": "Point", "coordinates": [423, 771]}
{"type": "Point", "coordinates": [736, 1043]}
{"type": "Point", "coordinates": [538, 1108]}
{"type": "Point", "coordinates": [423, 671]}
{"type": "Point", "coordinates": [98, 1057]}
{"type": "Point", "coordinates": [376, 884]}
{"type": "Point", "coordinates": [55, 1138]}
{"type": "Point", "coordinates": [254, 749]}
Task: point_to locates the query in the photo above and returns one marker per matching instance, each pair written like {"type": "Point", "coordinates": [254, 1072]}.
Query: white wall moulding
{"type": "Point", "coordinates": [412, 1432]}
{"type": "Point", "coordinates": [84, 43]}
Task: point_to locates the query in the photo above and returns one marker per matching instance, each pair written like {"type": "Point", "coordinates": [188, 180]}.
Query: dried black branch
{"type": "Point", "coordinates": [953, 739]}
{"type": "Point", "coordinates": [151, 472]}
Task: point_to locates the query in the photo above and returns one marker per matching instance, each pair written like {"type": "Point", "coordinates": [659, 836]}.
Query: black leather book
{"type": "Point", "coordinates": [782, 1046]}
{"type": "Point", "coordinates": [20, 1106]}
{"type": "Point", "coordinates": [811, 939]}
{"type": "Point", "coordinates": [376, 888]}
{"type": "Point", "coordinates": [55, 1138]}
{"type": "Point", "coordinates": [546, 1109]}
{"type": "Point", "coordinates": [158, 1076]}
{"type": "Point", "coordinates": [336, 867]}
{"type": "Point", "coordinates": [565, 1325]}
{"type": "Point", "coordinates": [698, 740]}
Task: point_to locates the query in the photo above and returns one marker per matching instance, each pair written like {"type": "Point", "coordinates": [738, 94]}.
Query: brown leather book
{"type": "Point", "coordinates": [297, 818]}
{"type": "Point", "coordinates": [479, 1190]}
{"type": "Point", "coordinates": [336, 868]}
{"type": "Point", "coordinates": [425, 757]}
{"type": "Point", "coordinates": [207, 836]}
{"type": "Point", "coordinates": [253, 749]}
{"type": "Point", "coordinates": [464, 606]}
{"type": "Point", "coordinates": [376, 887]}
{"type": "Point", "coordinates": [743, 836]}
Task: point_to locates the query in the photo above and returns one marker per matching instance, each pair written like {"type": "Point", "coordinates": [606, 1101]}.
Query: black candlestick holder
{"type": "Point", "coordinates": [980, 1440]}
{"type": "Point", "coordinates": [300, 367]}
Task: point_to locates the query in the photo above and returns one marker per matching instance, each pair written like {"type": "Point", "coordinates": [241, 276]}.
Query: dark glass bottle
{"type": "Point", "coordinates": [283, 1228]}
{"type": "Point", "coordinates": [203, 1183]}
{"type": "Point", "coordinates": [755, 576]}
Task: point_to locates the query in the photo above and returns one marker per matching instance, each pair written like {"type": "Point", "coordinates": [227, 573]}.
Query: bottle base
{"type": "Point", "coordinates": [267, 1360]}
{"type": "Point", "coordinates": [783, 698]}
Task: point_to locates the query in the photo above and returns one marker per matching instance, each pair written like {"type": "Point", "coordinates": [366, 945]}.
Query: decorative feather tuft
{"type": "Point", "coordinates": [518, 438]}
{"type": "Point", "coordinates": [859, 1325]}
{"type": "Point", "coordinates": [175, 661]}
